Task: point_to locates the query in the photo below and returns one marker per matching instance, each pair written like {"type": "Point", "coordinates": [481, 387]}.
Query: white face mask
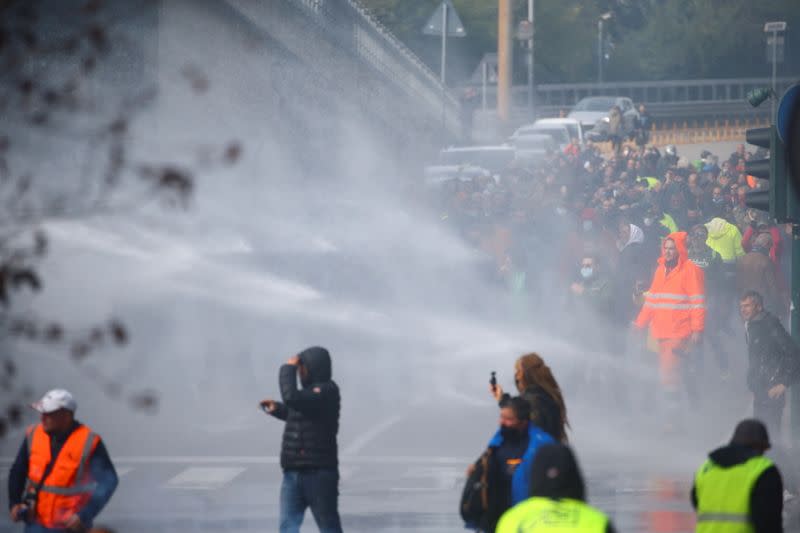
{"type": "Point", "coordinates": [586, 272]}
{"type": "Point", "coordinates": [587, 225]}
{"type": "Point", "coordinates": [648, 222]}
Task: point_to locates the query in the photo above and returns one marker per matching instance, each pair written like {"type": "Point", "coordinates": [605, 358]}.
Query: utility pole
{"type": "Point", "coordinates": [444, 67]}
{"type": "Point", "coordinates": [504, 65]}
{"type": "Point", "coordinates": [530, 61]}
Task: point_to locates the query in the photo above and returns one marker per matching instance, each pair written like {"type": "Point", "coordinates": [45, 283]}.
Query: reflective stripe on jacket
{"type": "Point", "coordinates": [674, 306]}
{"type": "Point", "coordinates": [723, 495]}
{"type": "Point", "coordinates": [69, 486]}
{"type": "Point", "coordinates": [543, 515]}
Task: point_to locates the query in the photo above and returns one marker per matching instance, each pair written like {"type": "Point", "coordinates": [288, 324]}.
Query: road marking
{"type": "Point", "coordinates": [445, 477]}
{"type": "Point", "coordinates": [121, 471]}
{"type": "Point", "coordinates": [362, 440]}
{"type": "Point", "coordinates": [274, 459]}
{"type": "Point", "coordinates": [204, 477]}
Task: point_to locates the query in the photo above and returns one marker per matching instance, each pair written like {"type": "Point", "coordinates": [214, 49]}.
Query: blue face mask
{"type": "Point", "coordinates": [586, 272]}
{"type": "Point", "coordinates": [587, 225]}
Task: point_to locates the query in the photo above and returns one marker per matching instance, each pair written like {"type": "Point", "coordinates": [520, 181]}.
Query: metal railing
{"type": "Point", "coordinates": [657, 92]}
{"type": "Point", "coordinates": [665, 100]}
{"type": "Point", "coordinates": [356, 30]}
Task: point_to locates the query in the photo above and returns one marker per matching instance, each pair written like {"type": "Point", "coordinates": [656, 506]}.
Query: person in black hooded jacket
{"type": "Point", "coordinates": [737, 467]}
{"type": "Point", "coordinates": [309, 453]}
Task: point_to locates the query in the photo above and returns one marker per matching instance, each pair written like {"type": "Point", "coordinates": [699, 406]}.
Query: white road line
{"type": "Point", "coordinates": [273, 459]}
{"type": "Point", "coordinates": [446, 477]}
{"type": "Point", "coordinates": [204, 478]}
{"type": "Point", "coordinates": [121, 471]}
{"type": "Point", "coordinates": [362, 440]}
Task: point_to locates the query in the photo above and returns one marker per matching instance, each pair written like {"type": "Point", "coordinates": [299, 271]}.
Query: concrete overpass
{"type": "Point", "coordinates": [311, 72]}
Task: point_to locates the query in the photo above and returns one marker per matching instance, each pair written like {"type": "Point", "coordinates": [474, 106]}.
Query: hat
{"type": "Point", "coordinates": [751, 433]}
{"type": "Point", "coordinates": [54, 400]}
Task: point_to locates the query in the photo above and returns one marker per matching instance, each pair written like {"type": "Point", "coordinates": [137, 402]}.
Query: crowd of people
{"type": "Point", "coordinates": [580, 234]}
{"type": "Point", "coordinates": [636, 239]}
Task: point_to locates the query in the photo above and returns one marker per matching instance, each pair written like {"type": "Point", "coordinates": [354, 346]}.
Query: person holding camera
{"type": "Point", "coordinates": [309, 455]}
{"type": "Point", "coordinates": [62, 476]}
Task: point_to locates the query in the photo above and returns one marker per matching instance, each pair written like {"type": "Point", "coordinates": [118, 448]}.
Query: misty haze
{"type": "Point", "coordinates": [196, 191]}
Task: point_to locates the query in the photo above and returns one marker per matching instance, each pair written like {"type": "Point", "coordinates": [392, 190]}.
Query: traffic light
{"type": "Point", "coordinates": [776, 195]}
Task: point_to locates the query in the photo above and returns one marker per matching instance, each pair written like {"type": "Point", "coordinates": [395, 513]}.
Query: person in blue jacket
{"type": "Point", "coordinates": [513, 449]}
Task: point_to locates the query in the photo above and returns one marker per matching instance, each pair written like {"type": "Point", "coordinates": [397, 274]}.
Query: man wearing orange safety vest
{"type": "Point", "coordinates": [63, 475]}
{"type": "Point", "coordinates": [674, 308]}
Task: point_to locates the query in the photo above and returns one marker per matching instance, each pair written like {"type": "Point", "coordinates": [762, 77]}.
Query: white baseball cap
{"type": "Point", "coordinates": [54, 400]}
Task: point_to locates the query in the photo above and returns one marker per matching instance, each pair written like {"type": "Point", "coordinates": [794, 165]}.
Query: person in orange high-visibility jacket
{"type": "Point", "coordinates": [674, 307]}
{"type": "Point", "coordinates": [62, 476]}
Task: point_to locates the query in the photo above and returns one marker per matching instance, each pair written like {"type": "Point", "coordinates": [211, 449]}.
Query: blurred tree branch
{"type": "Point", "coordinates": [53, 102]}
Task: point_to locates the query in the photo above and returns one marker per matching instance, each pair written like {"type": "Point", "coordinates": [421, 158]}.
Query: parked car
{"type": "Point", "coordinates": [562, 130]}
{"type": "Point", "coordinates": [534, 146]}
{"type": "Point", "coordinates": [589, 111]}
{"type": "Point", "coordinates": [436, 175]}
{"type": "Point", "coordinates": [493, 158]}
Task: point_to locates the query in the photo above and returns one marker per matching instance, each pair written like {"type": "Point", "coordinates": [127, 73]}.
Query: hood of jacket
{"type": "Point", "coordinates": [636, 236]}
{"type": "Point", "coordinates": [732, 455]}
{"type": "Point", "coordinates": [719, 228]}
{"type": "Point", "coordinates": [555, 474]}
{"type": "Point", "coordinates": [679, 238]}
{"type": "Point", "coordinates": [317, 361]}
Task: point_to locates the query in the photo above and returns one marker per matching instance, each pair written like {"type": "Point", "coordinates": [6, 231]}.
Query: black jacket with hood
{"type": "Point", "coordinates": [311, 413]}
{"type": "Point", "coordinates": [766, 498]}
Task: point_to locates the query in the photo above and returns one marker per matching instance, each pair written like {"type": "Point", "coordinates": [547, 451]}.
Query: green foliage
{"type": "Point", "coordinates": [653, 39]}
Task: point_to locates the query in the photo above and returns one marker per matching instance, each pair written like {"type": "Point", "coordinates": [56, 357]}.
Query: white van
{"type": "Point", "coordinates": [562, 130]}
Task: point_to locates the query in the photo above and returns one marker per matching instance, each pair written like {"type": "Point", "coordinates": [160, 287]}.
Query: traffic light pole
{"type": "Point", "coordinates": [795, 325]}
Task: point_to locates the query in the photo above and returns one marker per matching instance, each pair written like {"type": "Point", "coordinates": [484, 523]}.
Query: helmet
{"type": "Point", "coordinates": [671, 150]}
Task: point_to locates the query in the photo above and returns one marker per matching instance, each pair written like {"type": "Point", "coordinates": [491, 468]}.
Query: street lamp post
{"type": "Point", "coordinates": [600, 54]}
{"type": "Point", "coordinates": [600, 51]}
{"type": "Point", "coordinates": [444, 22]}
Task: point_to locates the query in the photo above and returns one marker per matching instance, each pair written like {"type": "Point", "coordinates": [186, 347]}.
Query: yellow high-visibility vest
{"type": "Point", "coordinates": [723, 495]}
{"type": "Point", "coordinates": [544, 515]}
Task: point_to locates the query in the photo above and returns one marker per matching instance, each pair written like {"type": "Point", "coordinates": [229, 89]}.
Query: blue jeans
{"type": "Point", "coordinates": [317, 489]}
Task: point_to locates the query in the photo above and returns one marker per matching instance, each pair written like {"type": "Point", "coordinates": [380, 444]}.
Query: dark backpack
{"type": "Point", "coordinates": [475, 499]}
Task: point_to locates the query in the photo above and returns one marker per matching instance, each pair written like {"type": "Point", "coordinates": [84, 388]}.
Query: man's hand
{"type": "Point", "coordinates": [576, 288]}
{"type": "Point", "coordinates": [470, 469]}
{"type": "Point", "coordinates": [697, 337]}
{"type": "Point", "coordinates": [294, 360]}
{"type": "Point", "coordinates": [74, 524]}
{"type": "Point", "coordinates": [496, 391]}
{"type": "Point", "coordinates": [269, 405]}
{"type": "Point", "coordinates": [16, 510]}
{"type": "Point", "coordinates": [776, 391]}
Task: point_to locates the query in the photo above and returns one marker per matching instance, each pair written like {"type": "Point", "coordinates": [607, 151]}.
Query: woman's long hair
{"type": "Point", "coordinates": [534, 371]}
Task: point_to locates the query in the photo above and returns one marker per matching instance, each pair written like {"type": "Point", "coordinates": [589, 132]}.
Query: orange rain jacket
{"type": "Point", "coordinates": [674, 306]}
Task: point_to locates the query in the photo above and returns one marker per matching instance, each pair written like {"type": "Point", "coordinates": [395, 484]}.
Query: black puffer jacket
{"type": "Point", "coordinates": [774, 357]}
{"type": "Point", "coordinates": [311, 414]}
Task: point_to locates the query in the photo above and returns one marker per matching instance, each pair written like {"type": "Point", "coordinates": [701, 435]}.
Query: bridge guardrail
{"type": "Point", "coordinates": [354, 28]}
